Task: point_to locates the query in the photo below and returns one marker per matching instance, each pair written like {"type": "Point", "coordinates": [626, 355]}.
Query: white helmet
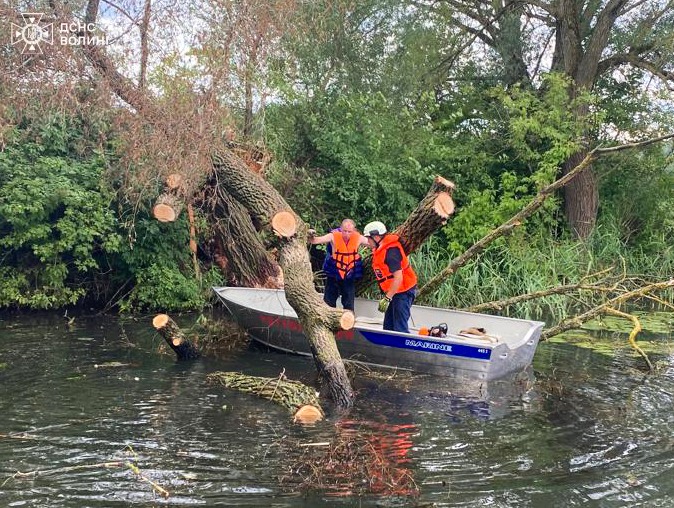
{"type": "Point", "coordinates": [374, 228]}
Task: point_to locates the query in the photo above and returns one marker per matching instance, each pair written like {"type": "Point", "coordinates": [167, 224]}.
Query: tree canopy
{"type": "Point", "coordinates": [358, 105]}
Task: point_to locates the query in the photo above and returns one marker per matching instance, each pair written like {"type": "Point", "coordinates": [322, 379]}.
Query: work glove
{"type": "Point", "coordinates": [311, 233]}
{"type": "Point", "coordinates": [383, 304]}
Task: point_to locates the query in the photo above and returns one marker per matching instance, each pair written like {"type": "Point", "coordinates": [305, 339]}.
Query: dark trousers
{"type": "Point", "coordinates": [398, 312]}
{"type": "Point", "coordinates": [334, 288]}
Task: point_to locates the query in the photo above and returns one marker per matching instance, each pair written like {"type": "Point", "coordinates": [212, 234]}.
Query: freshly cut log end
{"type": "Point", "coordinates": [160, 320]}
{"type": "Point", "coordinates": [444, 182]}
{"type": "Point", "coordinates": [174, 180]}
{"type": "Point", "coordinates": [284, 224]}
{"type": "Point", "coordinates": [348, 320]}
{"type": "Point", "coordinates": [164, 213]}
{"type": "Point", "coordinates": [167, 207]}
{"type": "Point", "coordinates": [174, 337]}
{"type": "Point", "coordinates": [443, 205]}
{"type": "Point", "coordinates": [307, 415]}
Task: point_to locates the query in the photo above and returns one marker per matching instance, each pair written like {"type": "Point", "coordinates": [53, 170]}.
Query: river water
{"type": "Point", "coordinates": [96, 415]}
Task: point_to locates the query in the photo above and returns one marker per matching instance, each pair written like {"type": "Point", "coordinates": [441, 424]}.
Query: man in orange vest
{"type": "Point", "coordinates": [394, 274]}
{"type": "Point", "coordinates": [342, 265]}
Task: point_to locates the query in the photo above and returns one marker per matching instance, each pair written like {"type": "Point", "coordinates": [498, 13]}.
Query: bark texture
{"type": "Point", "coordinates": [235, 245]}
{"type": "Point", "coordinates": [317, 319]}
{"type": "Point", "coordinates": [301, 400]}
{"type": "Point", "coordinates": [175, 337]}
{"type": "Point", "coordinates": [431, 213]}
{"type": "Point", "coordinates": [581, 198]}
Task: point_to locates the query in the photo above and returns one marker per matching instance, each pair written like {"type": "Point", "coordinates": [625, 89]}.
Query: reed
{"type": "Point", "coordinates": [513, 267]}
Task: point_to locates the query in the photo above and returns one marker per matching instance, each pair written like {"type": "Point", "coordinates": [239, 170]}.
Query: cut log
{"type": "Point", "coordinates": [284, 224]}
{"type": "Point", "coordinates": [307, 414]}
{"type": "Point", "coordinates": [347, 320]}
{"type": "Point", "coordinates": [167, 208]}
{"type": "Point", "coordinates": [431, 214]}
{"type": "Point", "coordinates": [174, 337]}
{"type": "Point", "coordinates": [298, 398]}
{"type": "Point", "coordinates": [444, 205]}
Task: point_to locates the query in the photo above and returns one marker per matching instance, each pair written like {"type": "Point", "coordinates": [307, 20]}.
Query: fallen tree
{"type": "Point", "coordinates": [516, 220]}
{"type": "Point", "coordinates": [252, 219]}
{"type": "Point", "coordinates": [272, 213]}
{"type": "Point", "coordinates": [301, 400]}
{"type": "Point", "coordinates": [261, 209]}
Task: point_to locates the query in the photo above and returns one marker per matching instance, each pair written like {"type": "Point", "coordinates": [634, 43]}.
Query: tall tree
{"type": "Point", "coordinates": [586, 40]}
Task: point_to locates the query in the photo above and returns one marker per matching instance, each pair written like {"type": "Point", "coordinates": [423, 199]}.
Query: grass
{"type": "Point", "coordinates": [513, 267]}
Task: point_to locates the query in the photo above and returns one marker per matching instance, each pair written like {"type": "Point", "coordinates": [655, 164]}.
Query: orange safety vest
{"type": "Point", "coordinates": [345, 255]}
{"type": "Point", "coordinates": [381, 271]}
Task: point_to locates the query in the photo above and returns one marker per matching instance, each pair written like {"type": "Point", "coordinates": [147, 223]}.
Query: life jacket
{"type": "Point", "coordinates": [381, 271]}
{"type": "Point", "coordinates": [342, 260]}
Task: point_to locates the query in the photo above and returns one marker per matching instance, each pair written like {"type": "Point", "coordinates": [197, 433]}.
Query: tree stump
{"type": "Point", "coordinates": [175, 338]}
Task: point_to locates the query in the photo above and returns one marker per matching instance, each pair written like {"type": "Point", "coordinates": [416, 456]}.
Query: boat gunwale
{"type": "Point", "coordinates": [423, 307]}
{"type": "Point", "coordinates": [509, 344]}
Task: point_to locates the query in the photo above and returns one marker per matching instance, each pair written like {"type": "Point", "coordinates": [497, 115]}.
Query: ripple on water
{"type": "Point", "coordinates": [590, 429]}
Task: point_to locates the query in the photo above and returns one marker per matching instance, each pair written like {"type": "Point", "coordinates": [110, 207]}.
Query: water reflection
{"type": "Point", "coordinates": [363, 457]}
{"type": "Point", "coordinates": [586, 429]}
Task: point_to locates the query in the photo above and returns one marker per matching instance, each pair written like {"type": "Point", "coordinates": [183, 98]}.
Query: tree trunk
{"type": "Point", "coordinates": [298, 398]}
{"type": "Point", "coordinates": [318, 320]}
{"type": "Point", "coordinates": [578, 52]}
{"type": "Point", "coordinates": [581, 198]}
{"type": "Point", "coordinates": [236, 246]}
{"type": "Point", "coordinates": [175, 338]}
{"type": "Point", "coordinates": [430, 214]}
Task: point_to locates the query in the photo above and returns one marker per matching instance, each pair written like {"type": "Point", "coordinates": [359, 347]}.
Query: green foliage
{"type": "Point", "coordinates": [638, 195]}
{"type": "Point", "coordinates": [363, 157]}
{"type": "Point", "coordinates": [516, 148]}
{"type": "Point", "coordinates": [162, 286]}
{"type": "Point", "coordinates": [159, 263]}
{"type": "Point", "coordinates": [62, 241]}
{"type": "Point", "coordinates": [56, 223]}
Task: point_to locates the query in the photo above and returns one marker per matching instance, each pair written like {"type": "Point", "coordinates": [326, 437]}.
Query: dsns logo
{"type": "Point", "coordinates": [32, 33]}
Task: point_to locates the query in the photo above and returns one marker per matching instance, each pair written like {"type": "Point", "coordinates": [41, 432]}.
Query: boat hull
{"type": "Point", "coordinates": [275, 324]}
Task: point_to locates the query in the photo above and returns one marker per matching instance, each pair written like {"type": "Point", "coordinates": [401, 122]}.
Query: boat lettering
{"type": "Point", "coordinates": [428, 345]}
{"type": "Point", "coordinates": [344, 335]}
{"type": "Point", "coordinates": [277, 322]}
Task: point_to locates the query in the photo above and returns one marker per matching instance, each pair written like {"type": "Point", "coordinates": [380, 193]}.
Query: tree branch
{"type": "Point", "coordinates": [577, 321]}
{"type": "Point", "coordinates": [633, 334]}
{"type": "Point", "coordinates": [528, 210]}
